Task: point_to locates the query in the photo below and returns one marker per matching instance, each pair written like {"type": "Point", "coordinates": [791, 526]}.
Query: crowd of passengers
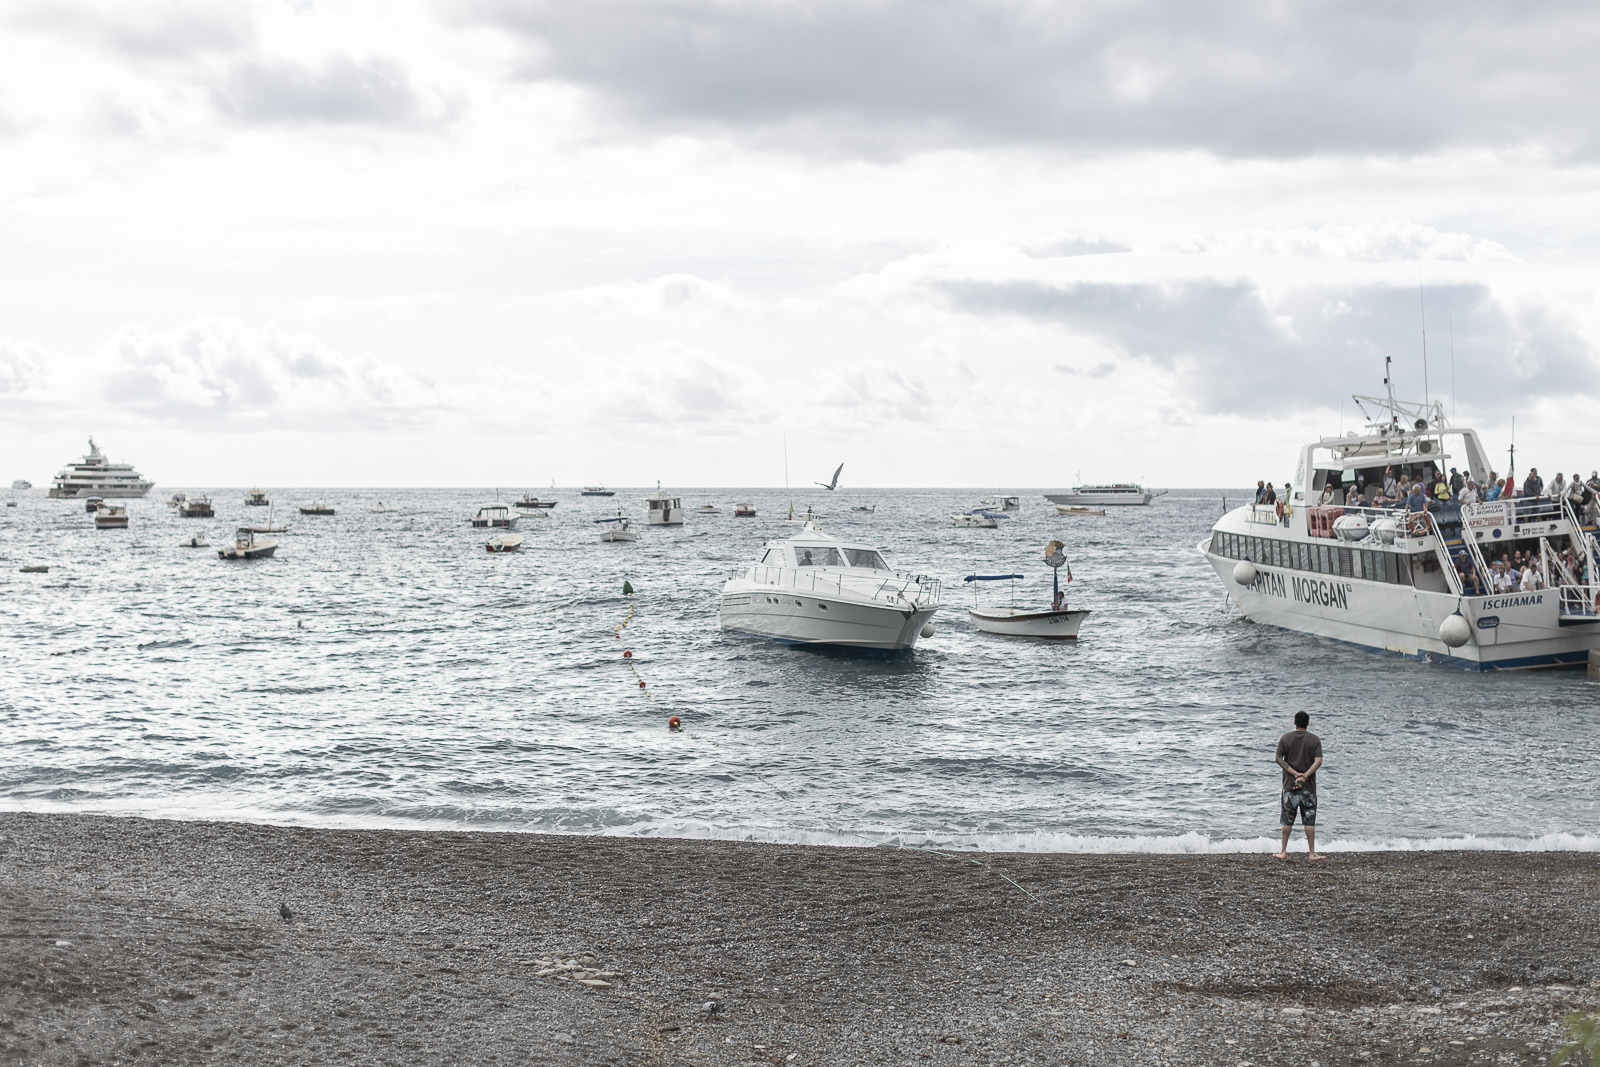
{"type": "Point", "coordinates": [1511, 571]}
{"type": "Point", "coordinates": [1435, 492]}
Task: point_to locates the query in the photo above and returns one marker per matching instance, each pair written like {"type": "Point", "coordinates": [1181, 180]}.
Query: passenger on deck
{"type": "Point", "coordinates": [1391, 488]}
{"type": "Point", "coordinates": [1531, 579]}
{"type": "Point", "coordinates": [1283, 505]}
{"type": "Point", "coordinates": [1327, 495]}
{"type": "Point", "coordinates": [1469, 492]}
{"type": "Point", "coordinates": [1558, 485]}
{"type": "Point", "coordinates": [1533, 485]}
{"type": "Point", "coordinates": [1442, 493]}
{"type": "Point", "coordinates": [1415, 501]}
{"type": "Point", "coordinates": [1456, 482]}
{"type": "Point", "coordinates": [1469, 574]}
{"type": "Point", "coordinates": [1261, 491]}
{"type": "Point", "coordinates": [1357, 496]}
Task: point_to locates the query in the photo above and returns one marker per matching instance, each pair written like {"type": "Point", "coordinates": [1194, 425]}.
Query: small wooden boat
{"type": "Point", "coordinates": [504, 543]}
{"type": "Point", "coordinates": [1074, 509]}
{"type": "Point", "coordinates": [1059, 622]}
{"type": "Point", "coordinates": [319, 508]}
{"type": "Point", "coordinates": [197, 508]}
{"type": "Point", "coordinates": [744, 511]}
{"type": "Point", "coordinates": [619, 529]}
{"type": "Point", "coordinates": [532, 503]}
{"type": "Point", "coordinates": [36, 568]}
{"type": "Point", "coordinates": [246, 545]}
{"type": "Point", "coordinates": [111, 517]}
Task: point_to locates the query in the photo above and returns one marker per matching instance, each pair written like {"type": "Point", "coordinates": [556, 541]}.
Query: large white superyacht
{"type": "Point", "coordinates": [1409, 583]}
{"type": "Point", "coordinates": [94, 475]}
{"type": "Point", "coordinates": [812, 589]}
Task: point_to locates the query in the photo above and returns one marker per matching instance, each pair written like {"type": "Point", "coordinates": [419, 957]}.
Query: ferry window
{"type": "Point", "coordinates": [1345, 566]}
{"type": "Point", "coordinates": [1325, 562]}
{"type": "Point", "coordinates": [1300, 557]}
{"type": "Point", "coordinates": [1227, 546]}
{"type": "Point", "coordinates": [865, 557]}
{"type": "Point", "coordinates": [1358, 563]}
{"type": "Point", "coordinates": [817, 556]}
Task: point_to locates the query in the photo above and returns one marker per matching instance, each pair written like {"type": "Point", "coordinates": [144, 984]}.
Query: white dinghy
{"type": "Point", "coordinates": [1059, 623]}
{"type": "Point", "coordinates": [619, 529]}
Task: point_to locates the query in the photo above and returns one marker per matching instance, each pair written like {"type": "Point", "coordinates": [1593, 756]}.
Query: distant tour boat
{"type": "Point", "coordinates": [97, 476]}
{"type": "Point", "coordinates": [198, 508]}
{"type": "Point", "coordinates": [21, 483]}
{"type": "Point", "coordinates": [597, 490]}
{"type": "Point", "coordinates": [1118, 494]}
{"type": "Point", "coordinates": [256, 498]}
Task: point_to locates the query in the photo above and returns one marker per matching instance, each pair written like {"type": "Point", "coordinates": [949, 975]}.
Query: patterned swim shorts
{"type": "Point", "coordinates": [1303, 801]}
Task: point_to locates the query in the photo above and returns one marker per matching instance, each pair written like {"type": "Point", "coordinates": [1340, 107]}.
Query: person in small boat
{"type": "Point", "coordinates": [1059, 601]}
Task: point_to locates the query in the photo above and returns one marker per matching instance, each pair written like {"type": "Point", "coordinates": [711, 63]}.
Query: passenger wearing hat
{"type": "Point", "coordinates": [1456, 482]}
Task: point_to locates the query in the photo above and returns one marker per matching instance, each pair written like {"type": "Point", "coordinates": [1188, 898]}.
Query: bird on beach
{"type": "Point", "coordinates": [283, 911]}
{"type": "Point", "coordinates": [831, 486]}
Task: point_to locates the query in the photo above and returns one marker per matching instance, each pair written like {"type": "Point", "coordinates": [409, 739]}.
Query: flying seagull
{"type": "Point", "coordinates": [831, 486]}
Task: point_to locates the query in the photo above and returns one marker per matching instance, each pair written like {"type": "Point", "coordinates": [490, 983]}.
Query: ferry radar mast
{"type": "Point", "coordinates": [1397, 416]}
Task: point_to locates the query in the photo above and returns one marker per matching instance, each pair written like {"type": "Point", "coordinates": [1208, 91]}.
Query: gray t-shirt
{"type": "Point", "coordinates": [1299, 749]}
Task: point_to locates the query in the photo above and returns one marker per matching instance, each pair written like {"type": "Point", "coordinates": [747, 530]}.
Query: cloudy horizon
{"type": "Point", "coordinates": [418, 244]}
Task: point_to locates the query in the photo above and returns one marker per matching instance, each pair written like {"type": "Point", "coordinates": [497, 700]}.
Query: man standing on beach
{"type": "Point", "coordinates": [1299, 755]}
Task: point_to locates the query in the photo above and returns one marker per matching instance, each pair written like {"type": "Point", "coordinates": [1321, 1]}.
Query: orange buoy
{"type": "Point", "coordinates": [641, 683]}
{"type": "Point", "coordinates": [627, 653]}
{"type": "Point", "coordinates": [674, 724]}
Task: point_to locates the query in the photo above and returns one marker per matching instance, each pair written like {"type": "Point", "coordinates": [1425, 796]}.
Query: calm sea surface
{"type": "Point", "coordinates": [384, 670]}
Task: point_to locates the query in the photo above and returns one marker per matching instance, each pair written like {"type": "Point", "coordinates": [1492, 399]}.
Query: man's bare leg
{"type": "Point", "coordinates": [1311, 843]}
{"type": "Point", "coordinates": [1283, 845]}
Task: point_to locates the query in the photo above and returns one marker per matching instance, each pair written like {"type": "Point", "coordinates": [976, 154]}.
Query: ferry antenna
{"type": "Point", "coordinates": [1423, 304]}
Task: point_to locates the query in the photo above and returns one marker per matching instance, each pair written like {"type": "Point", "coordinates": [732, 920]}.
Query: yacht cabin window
{"type": "Point", "coordinates": [817, 556]}
{"type": "Point", "coordinates": [773, 558]}
{"type": "Point", "coordinates": [865, 557]}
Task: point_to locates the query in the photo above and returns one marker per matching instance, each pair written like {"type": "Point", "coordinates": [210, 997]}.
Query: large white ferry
{"type": "Point", "coordinates": [814, 590]}
{"type": "Point", "coordinates": [95, 476]}
{"type": "Point", "coordinates": [1120, 494]}
{"type": "Point", "coordinates": [1404, 582]}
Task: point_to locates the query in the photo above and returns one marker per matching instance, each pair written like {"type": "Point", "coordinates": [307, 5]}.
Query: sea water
{"type": "Point", "coordinates": [385, 670]}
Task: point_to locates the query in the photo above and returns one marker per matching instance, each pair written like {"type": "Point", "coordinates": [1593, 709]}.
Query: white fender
{"type": "Point", "coordinates": [927, 631]}
{"type": "Point", "coordinates": [1244, 572]}
{"type": "Point", "coordinates": [1455, 631]}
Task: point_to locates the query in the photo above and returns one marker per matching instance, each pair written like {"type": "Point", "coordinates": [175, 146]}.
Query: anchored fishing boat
{"type": "Point", "coordinates": [663, 509]}
{"type": "Point", "coordinates": [1412, 583]}
{"type": "Point", "coordinates": [811, 589]}
{"type": "Point", "coordinates": [618, 529]}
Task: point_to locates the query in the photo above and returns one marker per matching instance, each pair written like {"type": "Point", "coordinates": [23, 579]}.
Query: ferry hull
{"type": "Point", "coordinates": [806, 619]}
{"type": "Point", "coordinates": [1513, 631]}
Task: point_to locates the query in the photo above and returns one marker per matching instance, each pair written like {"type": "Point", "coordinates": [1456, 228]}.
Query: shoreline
{"type": "Point", "coordinates": [130, 937]}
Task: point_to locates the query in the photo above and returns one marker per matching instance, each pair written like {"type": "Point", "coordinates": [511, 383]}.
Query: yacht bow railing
{"type": "Point", "coordinates": [917, 590]}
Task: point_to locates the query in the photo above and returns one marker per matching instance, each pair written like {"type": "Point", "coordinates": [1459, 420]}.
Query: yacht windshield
{"type": "Point", "coordinates": [817, 556]}
{"type": "Point", "coordinates": [865, 557]}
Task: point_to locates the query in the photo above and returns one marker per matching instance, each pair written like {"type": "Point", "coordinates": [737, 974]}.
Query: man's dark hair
{"type": "Point", "coordinates": [1302, 720]}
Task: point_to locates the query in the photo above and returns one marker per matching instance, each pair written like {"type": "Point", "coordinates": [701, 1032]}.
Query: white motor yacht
{"type": "Point", "coordinates": [495, 515]}
{"type": "Point", "coordinates": [1119, 494]}
{"type": "Point", "coordinates": [812, 589]}
{"type": "Point", "coordinates": [248, 545]}
{"type": "Point", "coordinates": [94, 475]}
{"type": "Point", "coordinates": [662, 509]}
{"type": "Point", "coordinates": [977, 519]}
{"type": "Point", "coordinates": [1411, 583]}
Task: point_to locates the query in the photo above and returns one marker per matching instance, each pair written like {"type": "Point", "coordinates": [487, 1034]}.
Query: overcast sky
{"type": "Point", "coordinates": [1005, 244]}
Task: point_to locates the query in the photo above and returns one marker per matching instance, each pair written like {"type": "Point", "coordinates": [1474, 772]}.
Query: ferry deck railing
{"type": "Point", "coordinates": [914, 589]}
{"type": "Point", "coordinates": [1584, 596]}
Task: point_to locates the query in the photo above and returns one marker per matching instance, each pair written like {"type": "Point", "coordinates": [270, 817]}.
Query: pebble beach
{"type": "Point", "coordinates": [129, 940]}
